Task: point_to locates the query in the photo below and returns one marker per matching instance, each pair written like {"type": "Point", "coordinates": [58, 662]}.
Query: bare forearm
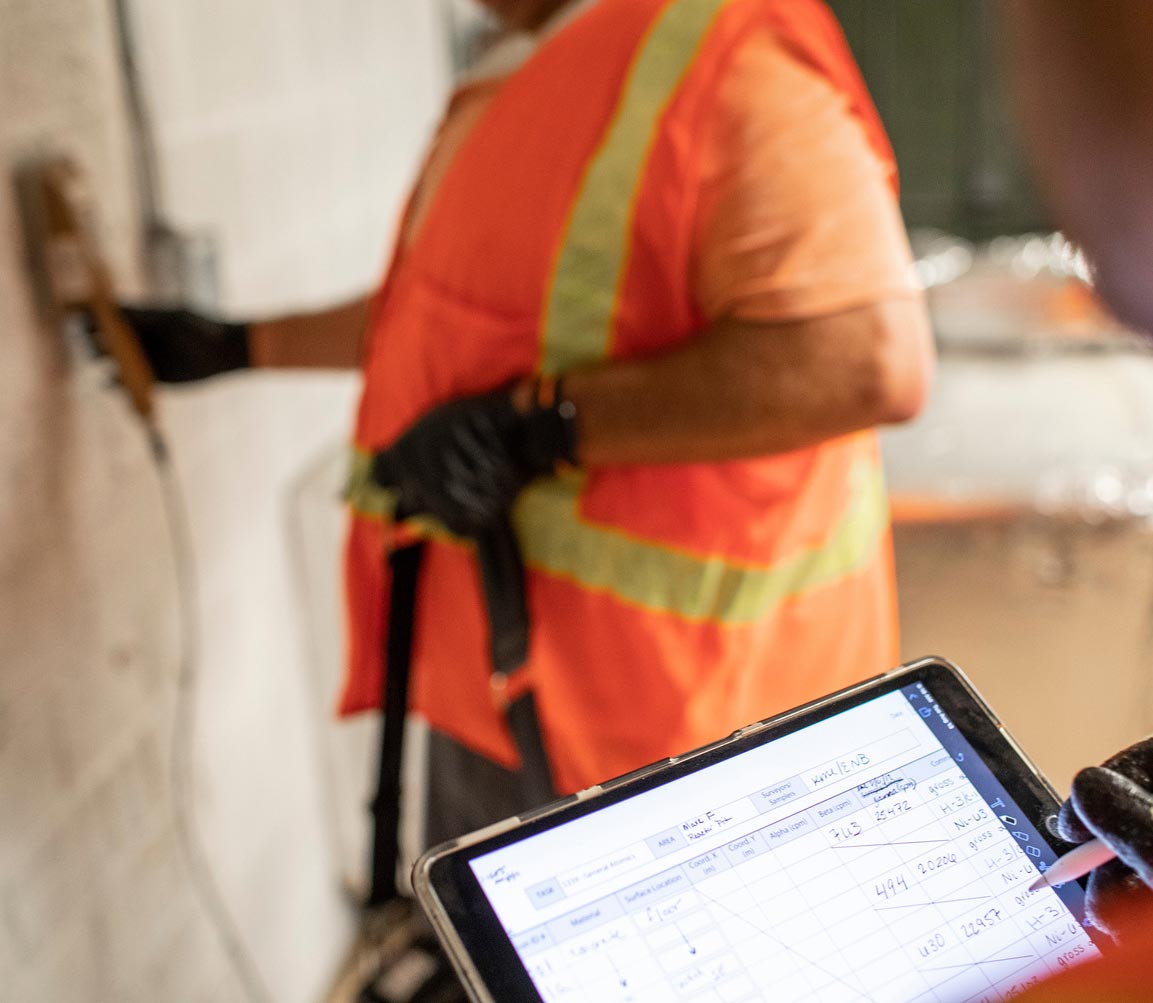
{"type": "Point", "coordinates": [743, 390]}
{"type": "Point", "coordinates": [329, 339]}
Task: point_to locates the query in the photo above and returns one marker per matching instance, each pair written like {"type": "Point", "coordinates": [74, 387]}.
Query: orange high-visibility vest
{"type": "Point", "coordinates": [669, 604]}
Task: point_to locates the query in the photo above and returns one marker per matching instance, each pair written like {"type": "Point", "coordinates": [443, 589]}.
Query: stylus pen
{"type": "Point", "coordinates": [1075, 864]}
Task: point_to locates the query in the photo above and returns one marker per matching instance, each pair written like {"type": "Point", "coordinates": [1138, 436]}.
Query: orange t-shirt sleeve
{"type": "Point", "coordinates": [796, 217]}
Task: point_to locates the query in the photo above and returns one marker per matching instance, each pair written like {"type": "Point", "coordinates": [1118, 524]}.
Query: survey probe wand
{"type": "Point", "coordinates": [73, 275]}
{"type": "Point", "coordinates": [1075, 864]}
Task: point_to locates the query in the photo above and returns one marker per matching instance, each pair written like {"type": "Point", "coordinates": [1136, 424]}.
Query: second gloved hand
{"type": "Point", "coordinates": [182, 346]}
{"type": "Point", "coordinates": [466, 461]}
{"type": "Point", "coordinates": [1114, 802]}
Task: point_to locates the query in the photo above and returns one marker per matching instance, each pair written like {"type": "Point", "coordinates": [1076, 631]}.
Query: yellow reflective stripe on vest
{"type": "Point", "coordinates": [578, 314]}
{"type": "Point", "coordinates": [556, 540]}
{"type": "Point", "coordinates": [694, 587]}
{"type": "Point", "coordinates": [362, 493]}
{"type": "Point", "coordinates": [368, 499]}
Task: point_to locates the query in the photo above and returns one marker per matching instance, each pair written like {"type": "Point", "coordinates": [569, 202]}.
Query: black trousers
{"type": "Point", "coordinates": [466, 791]}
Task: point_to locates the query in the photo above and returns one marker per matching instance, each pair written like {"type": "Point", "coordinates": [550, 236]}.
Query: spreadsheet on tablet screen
{"type": "Point", "coordinates": [869, 856]}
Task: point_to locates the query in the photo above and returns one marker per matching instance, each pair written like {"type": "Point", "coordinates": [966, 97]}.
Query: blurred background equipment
{"type": "Point", "coordinates": [1022, 498]}
{"type": "Point", "coordinates": [181, 266]}
{"type": "Point", "coordinates": [1020, 495]}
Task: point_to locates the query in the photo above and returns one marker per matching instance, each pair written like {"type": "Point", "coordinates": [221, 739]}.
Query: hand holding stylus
{"type": "Point", "coordinates": [1110, 811]}
{"type": "Point", "coordinates": [1075, 864]}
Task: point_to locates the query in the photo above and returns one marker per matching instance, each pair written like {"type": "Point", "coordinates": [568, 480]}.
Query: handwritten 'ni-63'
{"type": "Point", "coordinates": [973, 818]}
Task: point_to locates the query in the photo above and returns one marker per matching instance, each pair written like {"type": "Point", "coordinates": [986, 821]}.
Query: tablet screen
{"type": "Point", "coordinates": [869, 856]}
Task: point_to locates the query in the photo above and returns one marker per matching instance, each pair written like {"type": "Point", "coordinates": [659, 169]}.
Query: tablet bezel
{"type": "Point", "coordinates": [477, 943]}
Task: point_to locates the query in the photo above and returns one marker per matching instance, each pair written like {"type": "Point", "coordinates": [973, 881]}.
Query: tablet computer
{"type": "Point", "coordinates": [877, 844]}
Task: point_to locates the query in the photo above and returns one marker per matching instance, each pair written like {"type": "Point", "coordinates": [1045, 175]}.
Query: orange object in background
{"type": "Point", "coordinates": [1123, 975]}
{"type": "Point", "coordinates": [670, 604]}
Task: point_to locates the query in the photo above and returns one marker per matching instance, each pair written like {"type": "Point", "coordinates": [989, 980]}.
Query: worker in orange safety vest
{"type": "Point", "coordinates": [706, 530]}
{"type": "Point", "coordinates": [651, 295]}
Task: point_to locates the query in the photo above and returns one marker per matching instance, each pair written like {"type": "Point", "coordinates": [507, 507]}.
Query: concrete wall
{"type": "Point", "coordinates": [96, 898]}
{"type": "Point", "coordinates": [1047, 602]}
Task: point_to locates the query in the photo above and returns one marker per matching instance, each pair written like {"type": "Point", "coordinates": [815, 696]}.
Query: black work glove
{"type": "Point", "coordinates": [1114, 802]}
{"type": "Point", "coordinates": [466, 461]}
{"type": "Point", "coordinates": [182, 346]}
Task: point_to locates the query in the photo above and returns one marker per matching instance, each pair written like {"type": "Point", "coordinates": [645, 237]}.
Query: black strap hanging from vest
{"type": "Point", "coordinates": [502, 579]}
{"type": "Point", "coordinates": [503, 585]}
{"type": "Point", "coordinates": [405, 567]}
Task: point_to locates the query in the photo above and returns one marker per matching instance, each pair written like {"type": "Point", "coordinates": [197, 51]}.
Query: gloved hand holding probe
{"type": "Point", "coordinates": [1114, 803]}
